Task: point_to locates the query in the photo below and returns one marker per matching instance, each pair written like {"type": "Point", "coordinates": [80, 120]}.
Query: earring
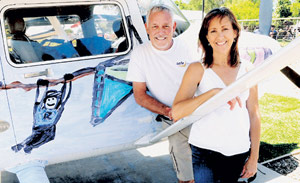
{"type": "Point", "coordinates": [208, 44]}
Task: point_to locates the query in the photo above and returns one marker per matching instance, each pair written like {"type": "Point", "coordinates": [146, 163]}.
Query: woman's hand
{"type": "Point", "coordinates": [233, 102]}
{"type": "Point", "coordinates": [249, 169]}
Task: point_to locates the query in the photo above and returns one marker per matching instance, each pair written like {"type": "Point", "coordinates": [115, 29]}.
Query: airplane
{"type": "Point", "coordinates": [62, 80]}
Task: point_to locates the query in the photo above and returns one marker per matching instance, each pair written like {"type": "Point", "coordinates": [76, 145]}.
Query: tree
{"type": "Point", "coordinates": [283, 8]}
{"type": "Point", "coordinates": [211, 4]}
{"type": "Point", "coordinates": [197, 4]}
{"type": "Point", "coordinates": [182, 5]}
{"type": "Point", "coordinates": [295, 9]}
{"type": "Point", "coordinates": [244, 9]}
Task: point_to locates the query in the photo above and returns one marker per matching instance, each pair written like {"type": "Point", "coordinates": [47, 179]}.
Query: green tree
{"type": "Point", "coordinates": [295, 9]}
{"type": "Point", "coordinates": [182, 5]}
{"type": "Point", "coordinates": [197, 4]}
{"type": "Point", "coordinates": [283, 8]}
{"type": "Point", "coordinates": [244, 9]}
{"type": "Point", "coordinates": [211, 4]}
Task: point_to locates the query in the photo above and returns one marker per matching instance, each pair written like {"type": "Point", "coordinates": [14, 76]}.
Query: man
{"type": "Point", "coordinates": [256, 30]}
{"type": "Point", "coordinates": [273, 32]}
{"type": "Point", "coordinates": [159, 65]}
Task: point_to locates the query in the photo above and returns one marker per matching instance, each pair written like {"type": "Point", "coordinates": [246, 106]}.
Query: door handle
{"type": "Point", "coordinates": [46, 72]}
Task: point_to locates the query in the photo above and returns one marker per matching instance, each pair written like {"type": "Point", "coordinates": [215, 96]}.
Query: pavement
{"type": "Point", "coordinates": [150, 164]}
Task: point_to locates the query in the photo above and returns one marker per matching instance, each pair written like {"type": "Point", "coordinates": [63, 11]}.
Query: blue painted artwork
{"type": "Point", "coordinates": [109, 92]}
{"type": "Point", "coordinates": [46, 114]}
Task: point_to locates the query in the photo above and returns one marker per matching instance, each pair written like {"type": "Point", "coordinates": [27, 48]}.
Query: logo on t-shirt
{"type": "Point", "coordinates": [181, 63]}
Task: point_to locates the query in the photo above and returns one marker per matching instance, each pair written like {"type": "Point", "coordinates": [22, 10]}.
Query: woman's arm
{"type": "Point", "coordinates": [185, 103]}
{"type": "Point", "coordinates": [250, 167]}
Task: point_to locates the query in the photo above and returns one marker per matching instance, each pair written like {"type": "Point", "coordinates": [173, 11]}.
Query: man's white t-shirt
{"type": "Point", "coordinates": [161, 70]}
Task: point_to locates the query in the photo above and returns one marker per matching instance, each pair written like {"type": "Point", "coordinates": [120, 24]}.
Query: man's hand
{"type": "Point", "coordinates": [148, 102]}
{"type": "Point", "coordinates": [168, 112]}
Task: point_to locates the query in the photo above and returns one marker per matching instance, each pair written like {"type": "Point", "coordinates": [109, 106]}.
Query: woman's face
{"type": "Point", "coordinates": [221, 35]}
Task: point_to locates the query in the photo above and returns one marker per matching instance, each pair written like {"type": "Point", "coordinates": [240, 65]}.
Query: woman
{"type": "Point", "coordinates": [221, 140]}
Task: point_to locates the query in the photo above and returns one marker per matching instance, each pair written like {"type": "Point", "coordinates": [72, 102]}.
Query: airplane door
{"type": "Point", "coordinates": [65, 68]}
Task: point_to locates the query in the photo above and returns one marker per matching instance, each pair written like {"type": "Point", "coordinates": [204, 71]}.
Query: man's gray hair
{"type": "Point", "coordinates": [159, 8]}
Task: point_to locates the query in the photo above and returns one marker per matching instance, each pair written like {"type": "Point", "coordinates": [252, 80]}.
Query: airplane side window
{"type": "Point", "coordinates": [110, 26]}
{"type": "Point", "coordinates": [22, 48]}
{"type": "Point", "coordinates": [64, 32]}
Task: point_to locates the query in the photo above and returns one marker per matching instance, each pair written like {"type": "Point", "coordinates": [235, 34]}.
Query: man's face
{"type": "Point", "coordinates": [160, 29]}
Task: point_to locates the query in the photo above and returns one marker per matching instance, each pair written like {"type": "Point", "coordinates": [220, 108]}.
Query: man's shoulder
{"type": "Point", "coordinates": [140, 52]}
{"type": "Point", "coordinates": [183, 49]}
{"type": "Point", "coordinates": [181, 45]}
{"type": "Point", "coordinates": [142, 47]}
{"type": "Point", "coordinates": [179, 42]}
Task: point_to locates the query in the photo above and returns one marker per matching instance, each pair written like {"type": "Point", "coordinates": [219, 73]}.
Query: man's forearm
{"type": "Point", "coordinates": [152, 104]}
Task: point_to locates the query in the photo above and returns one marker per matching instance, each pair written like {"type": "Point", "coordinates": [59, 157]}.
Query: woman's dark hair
{"type": "Point", "coordinates": [207, 49]}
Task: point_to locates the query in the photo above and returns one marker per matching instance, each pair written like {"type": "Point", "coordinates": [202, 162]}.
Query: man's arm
{"type": "Point", "coordinates": [148, 102]}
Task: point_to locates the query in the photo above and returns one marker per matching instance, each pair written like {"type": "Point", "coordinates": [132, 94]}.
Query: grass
{"type": "Point", "coordinates": [283, 42]}
{"type": "Point", "coordinates": [280, 118]}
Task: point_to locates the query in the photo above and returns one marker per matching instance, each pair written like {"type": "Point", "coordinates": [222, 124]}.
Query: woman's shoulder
{"type": "Point", "coordinates": [196, 65]}
{"type": "Point", "coordinates": [195, 68]}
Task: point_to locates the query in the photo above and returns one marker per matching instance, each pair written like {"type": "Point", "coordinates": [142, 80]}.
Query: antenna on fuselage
{"type": "Point", "coordinates": [203, 2]}
{"type": "Point", "coordinates": [265, 16]}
